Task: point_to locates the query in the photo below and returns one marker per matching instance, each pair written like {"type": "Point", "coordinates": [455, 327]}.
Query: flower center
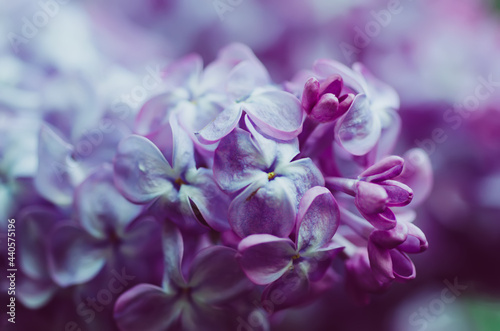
{"type": "Point", "coordinates": [295, 257]}
{"type": "Point", "coordinates": [271, 175]}
{"type": "Point", "coordinates": [179, 182]}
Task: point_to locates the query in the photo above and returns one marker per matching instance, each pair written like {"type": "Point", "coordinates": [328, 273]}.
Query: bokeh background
{"type": "Point", "coordinates": [442, 56]}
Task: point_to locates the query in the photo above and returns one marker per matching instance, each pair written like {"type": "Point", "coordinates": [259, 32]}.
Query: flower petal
{"type": "Point", "coordinates": [211, 202]}
{"type": "Point", "coordinates": [76, 257]}
{"type": "Point", "coordinates": [294, 286]}
{"type": "Point", "coordinates": [277, 113]}
{"type": "Point", "coordinates": [141, 172]}
{"type": "Point", "coordinates": [380, 262]}
{"type": "Point", "coordinates": [310, 95]}
{"type": "Point", "coordinates": [265, 258]}
{"type": "Point", "coordinates": [238, 161]}
{"type": "Point", "coordinates": [221, 126]}
{"type": "Point", "coordinates": [245, 77]}
{"type": "Point", "coordinates": [216, 277]}
{"type": "Point", "coordinates": [173, 250]}
{"type": "Point", "coordinates": [359, 130]}
{"type": "Point", "coordinates": [264, 208]}
{"type": "Point", "coordinates": [57, 173]}
{"type": "Point", "coordinates": [145, 307]}
{"type": "Point", "coordinates": [100, 206]}
{"type": "Point", "coordinates": [404, 269]}
{"type": "Point", "coordinates": [317, 219]}
{"type": "Point", "coordinates": [387, 168]}
{"type": "Point", "coordinates": [399, 194]}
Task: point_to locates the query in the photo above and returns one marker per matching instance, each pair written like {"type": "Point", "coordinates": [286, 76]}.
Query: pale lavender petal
{"type": "Point", "coordinates": [317, 219]}
{"type": "Point", "coordinates": [183, 148]}
{"type": "Point", "coordinates": [238, 161]}
{"type": "Point", "coordinates": [184, 72]}
{"type": "Point", "coordinates": [277, 113]}
{"type": "Point", "coordinates": [302, 174]}
{"type": "Point", "coordinates": [264, 208]}
{"type": "Point", "coordinates": [173, 250]}
{"type": "Point", "coordinates": [244, 78]}
{"type": "Point", "coordinates": [76, 257]}
{"type": "Point", "coordinates": [154, 114]}
{"type": "Point", "coordinates": [216, 277]}
{"type": "Point", "coordinates": [265, 258]}
{"type": "Point", "coordinates": [273, 152]}
{"type": "Point", "coordinates": [326, 68]}
{"type": "Point", "coordinates": [210, 201]}
{"type": "Point", "coordinates": [146, 307]}
{"type": "Point", "coordinates": [34, 226]}
{"type": "Point", "coordinates": [100, 206]}
{"type": "Point", "coordinates": [141, 172]}
{"type": "Point", "coordinates": [57, 172]}
{"type": "Point", "coordinates": [359, 129]}
{"type": "Point", "coordinates": [221, 126]}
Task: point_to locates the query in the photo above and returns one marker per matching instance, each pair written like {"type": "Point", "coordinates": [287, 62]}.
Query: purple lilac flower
{"type": "Point", "coordinates": [292, 267]}
{"type": "Point", "coordinates": [269, 183]}
{"type": "Point", "coordinates": [185, 301]}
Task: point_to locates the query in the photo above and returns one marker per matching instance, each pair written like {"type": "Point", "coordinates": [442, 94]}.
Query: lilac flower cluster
{"type": "Point", "coordinates": [225, 188]}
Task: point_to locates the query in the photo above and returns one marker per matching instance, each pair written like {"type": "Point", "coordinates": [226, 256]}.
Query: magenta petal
{"type": "Point", "coordinates": [404, 269]}
{"type": "Point", "coordinates": [317, 219]}
{"type": "Point", "coordinates": [238, 161]}
{"type": "Point", "coordinates": [310, 95]}
{"type": "Point", "coordinates": [327, 109]}
{"type": "Point", "coordinates": [380, 262]}
{"type": "Point", "coordinates": [390, 238]}
{"type": "Point", "coordinates": [221, 126]}
{"type": "Point", "coordinates": [387, 168]}
{"type": "Point", "coordinates": [332, 84]}
{"type": "Point", "coordinates": [277, 113]}
{"type": "Point", "coordinates": [399, 194]}
{"type": "Point", "coordinates": [141, 172]}
{"type": "Point", "coordinates": [216, 276]}
{"type": "Point", "coordinates": [265, 258]}
{"type": "Point", "coordinates": [100, 206]}
{"type": "Point", "coordinates": [416, 242]}
{"type": "Point", "coordinates": [145, 307]}
{"type": "Point", "coordinates": [76, 257]}
{"type": "Point", "coordinates": [370, 198]}
{"type": "Point", "coordinates": [359, 129]}
{"type": "Point", "coordinates": [294, 287]}
{"type": "Point", "coordinates": [264, 208]}
{"type": "Point", "coordinates": [385, 220]}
